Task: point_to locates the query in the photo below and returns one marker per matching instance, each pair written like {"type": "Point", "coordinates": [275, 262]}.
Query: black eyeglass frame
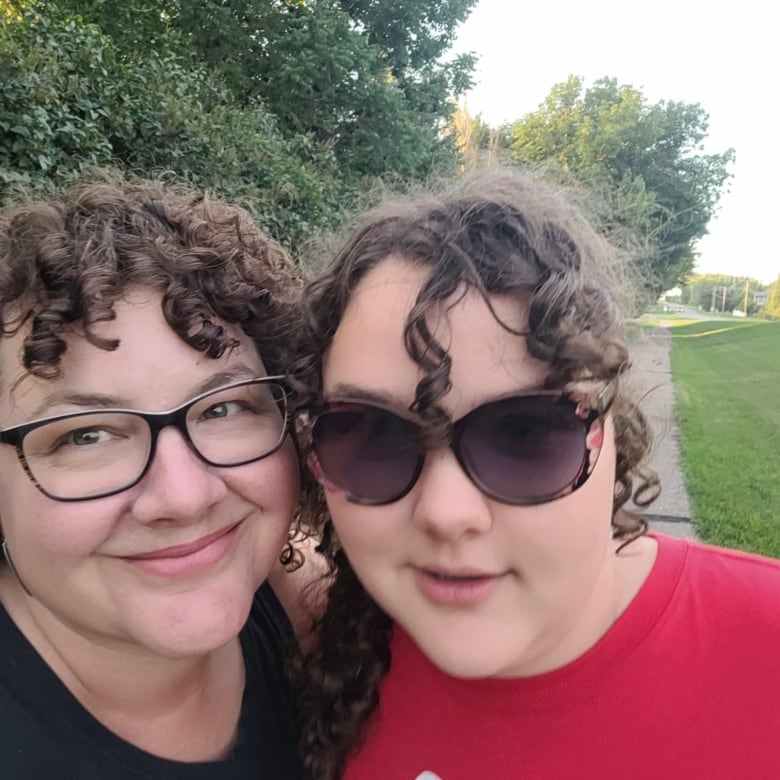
{"type": "Point", "coordinates": [156, 421]}
{"type": "Point", "coordinates": [307, 420]}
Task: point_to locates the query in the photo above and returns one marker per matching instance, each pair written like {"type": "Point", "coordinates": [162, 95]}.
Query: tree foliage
{"type": "Point", "coordinates": [364, 77]}
{"type": "Point", "coordinates": [772, 308]}
{"type": "Point", "coordinates": [70, 101]}
{"type": "Point", "coordinates": [479, 144]}
{"type": "Point", "coordinates": [286, 105]}
{"type": "Point", "coordinates": [646, 159]}
{"type": "Point", "coordinates": [721, 293]}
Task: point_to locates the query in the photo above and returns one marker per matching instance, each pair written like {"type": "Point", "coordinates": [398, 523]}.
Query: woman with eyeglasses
{"type": "Point", "coordinates": [147, 490]}
{"type": "Point", "coordinates": [494, 610]}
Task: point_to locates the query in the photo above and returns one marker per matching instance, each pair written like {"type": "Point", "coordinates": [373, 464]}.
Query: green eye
{"type": "Point", "coordinates": [86, 436]}
{"type": "Point", "coordinates": [222, 410]}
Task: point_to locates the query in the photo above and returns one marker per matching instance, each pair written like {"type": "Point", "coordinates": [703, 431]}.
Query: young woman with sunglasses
{"type": "Point", "coordinates": [147, 489]}
{"type": "Point", "coordinates": [494, 610]}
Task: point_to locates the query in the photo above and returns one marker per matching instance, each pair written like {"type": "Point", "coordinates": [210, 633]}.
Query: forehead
{"type": "Point", "coordinates": [368, 350]}
{"type": "Point", "coordinates": [151, 367]}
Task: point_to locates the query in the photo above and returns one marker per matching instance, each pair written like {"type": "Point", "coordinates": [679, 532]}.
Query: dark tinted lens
{"type": "Point", "coordinates": [370, 453]}
{"type": "Point", "coordinates": [523, 450]}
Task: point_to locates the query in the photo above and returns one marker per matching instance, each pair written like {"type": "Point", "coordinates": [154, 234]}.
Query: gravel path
{"type": "Point", "coordinates": [651, 379]}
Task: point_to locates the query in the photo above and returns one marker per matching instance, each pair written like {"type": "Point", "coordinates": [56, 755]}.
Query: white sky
{"type": "Point", "coordinates": [724, 56]}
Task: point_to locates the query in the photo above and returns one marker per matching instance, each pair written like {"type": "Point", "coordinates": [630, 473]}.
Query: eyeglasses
{"type": "Point", "coordinates": [96, 453]}
{"type": "Point", "coordinates": [520, 450]}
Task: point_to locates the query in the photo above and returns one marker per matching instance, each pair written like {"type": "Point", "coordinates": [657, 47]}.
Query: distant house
{"type": "Point", "coordinates": [761, 297]}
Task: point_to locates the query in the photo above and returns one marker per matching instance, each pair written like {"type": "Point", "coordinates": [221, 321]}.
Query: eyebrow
{"type": "Point", "coordinates": [85, 400]}
{"type": "Point", "coordinates": [235, 373]}
{"type": "Point", "coordinates": [344, 390]}
{"type": "Point", "coordinates": [105, 401]}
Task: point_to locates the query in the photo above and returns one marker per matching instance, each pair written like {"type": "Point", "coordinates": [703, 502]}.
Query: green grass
{"type": "Point", "coordinates": [692, 328]}
{"type": "Point", "coordinates": [727, 378]}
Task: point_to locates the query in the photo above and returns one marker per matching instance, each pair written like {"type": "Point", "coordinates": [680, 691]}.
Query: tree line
{"type": "Point", "coordinates": [725, 294]}
{"type": "Point", "coordinates": [296, 108]}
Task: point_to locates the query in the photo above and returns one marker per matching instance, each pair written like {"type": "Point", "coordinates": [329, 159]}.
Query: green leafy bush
{"type": "Point", "coordinates": [69, 102]}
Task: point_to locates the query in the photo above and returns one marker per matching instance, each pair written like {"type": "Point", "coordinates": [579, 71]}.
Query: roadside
{"type": "Point", "coordinates": [651, 379]}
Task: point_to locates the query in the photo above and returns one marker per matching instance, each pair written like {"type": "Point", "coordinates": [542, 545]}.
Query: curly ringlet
{"type": "Point", "coordinates": [66, 261]}
{"type": "Point", "coordinates": [497, 233]}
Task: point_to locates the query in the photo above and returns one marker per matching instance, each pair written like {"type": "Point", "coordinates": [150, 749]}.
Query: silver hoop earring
{"type": "Point", "coordinates": [7, 556]}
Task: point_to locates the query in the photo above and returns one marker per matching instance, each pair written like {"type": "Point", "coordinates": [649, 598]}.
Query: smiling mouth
{"type": "Point", "coordinates": [188, 560]}
{"type": "Point", "coordinates": [182, 550]}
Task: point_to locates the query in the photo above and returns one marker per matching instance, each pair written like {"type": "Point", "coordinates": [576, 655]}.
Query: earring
{"type": "Point", "coordinates": [7, 556]}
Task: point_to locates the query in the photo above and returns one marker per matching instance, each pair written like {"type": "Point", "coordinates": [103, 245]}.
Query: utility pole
{"type": "Point", "coordinates": [747, 287]}
{"type": "Point", "coordinates": [723, 305]}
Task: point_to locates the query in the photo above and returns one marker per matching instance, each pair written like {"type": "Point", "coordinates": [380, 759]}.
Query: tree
{"type": "Point", "coordinates": [364, 77]}
{"type": "Point", "coordinates": [70, 100]}
{"type": "Point", "coordinates": [719, 292]}
{"type": "Point", "coordinates": [291, 106]}
{"type": "Point", "coordinates": [411, 38]}
{"type": "Point", "coordinates": [477, 142]}
{"type": "Point", "coordinates": [644, 159]}
{"type": "Point", "coordinates": [772, 308]}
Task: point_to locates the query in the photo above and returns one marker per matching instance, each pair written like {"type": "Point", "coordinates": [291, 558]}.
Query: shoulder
{"type": "Point", "coordinates": [736, 566]}
{"type": "Point", "coordinates": [727, 581]}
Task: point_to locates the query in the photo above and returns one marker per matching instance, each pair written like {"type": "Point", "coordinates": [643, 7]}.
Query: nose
{"type": "Point", "coordinates": [448, 505]}
{"type": "Point", "coordinates": [178, 485]}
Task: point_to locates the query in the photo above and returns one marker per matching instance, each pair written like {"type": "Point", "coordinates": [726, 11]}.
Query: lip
{"type": "Point", "coordinates": [188, 559]}
{"type": "Point", "coordinates": [462, 586]}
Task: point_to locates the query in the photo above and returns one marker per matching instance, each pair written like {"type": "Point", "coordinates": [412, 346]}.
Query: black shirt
{"type": "Point", "coordinates": [45, 733]}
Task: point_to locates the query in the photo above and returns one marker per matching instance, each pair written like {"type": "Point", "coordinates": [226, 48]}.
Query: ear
{"type": "Point", "coordinates": [594, 442]}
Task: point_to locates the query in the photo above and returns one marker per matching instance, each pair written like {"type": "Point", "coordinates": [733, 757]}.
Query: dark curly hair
{"type": "Point", "coordinates": [498, 234]}
{"type": "Point", "coordinates": [66, 261]}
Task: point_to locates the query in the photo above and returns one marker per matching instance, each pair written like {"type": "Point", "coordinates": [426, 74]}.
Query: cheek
{"type": "Point", "coordinates": [368, 534]}
{"type": "Point", "coordinates": [50, 532]}
{"type": "Point", "coordinates": [271, 483]}
{"type": "Point", "coordinates": [566, 534]}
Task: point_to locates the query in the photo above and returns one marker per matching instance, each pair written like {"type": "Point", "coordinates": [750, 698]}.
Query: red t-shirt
{"type": "Point", "coordinates": [685, 684]}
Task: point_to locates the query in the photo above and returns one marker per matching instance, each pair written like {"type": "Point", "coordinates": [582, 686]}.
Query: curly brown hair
{"type": "Point", "coordinates": [66, 261]}
{"type": "Point", "coordinates": [497, 234]}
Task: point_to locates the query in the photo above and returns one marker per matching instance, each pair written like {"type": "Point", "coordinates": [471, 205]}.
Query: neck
{"type": "Point", "coordinates": [184, 708]}
{"type": "Point", "coordinates": [619, 580]}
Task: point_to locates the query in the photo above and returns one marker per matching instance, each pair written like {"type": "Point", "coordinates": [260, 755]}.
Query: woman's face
{"type": "Point", "coordinates": [172, 563]}
{"type": "Point", "coordinates": [484, 588]}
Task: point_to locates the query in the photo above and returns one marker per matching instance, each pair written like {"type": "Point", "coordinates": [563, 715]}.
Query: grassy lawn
{"type": "Point", "coordinates": [727, 378]}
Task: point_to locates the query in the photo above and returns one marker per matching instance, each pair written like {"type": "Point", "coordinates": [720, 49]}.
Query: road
{"type": "Point", "coordinates": [690, 313]}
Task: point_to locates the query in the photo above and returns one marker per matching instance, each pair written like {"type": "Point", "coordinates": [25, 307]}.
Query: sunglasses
{"type": "Point", "coordinates": [520, 450]}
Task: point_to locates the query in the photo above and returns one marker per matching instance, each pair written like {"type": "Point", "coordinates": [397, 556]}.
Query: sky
{"type": "Point", "coordinates": [723, 56]}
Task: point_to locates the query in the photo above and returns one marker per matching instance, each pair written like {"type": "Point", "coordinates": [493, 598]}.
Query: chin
{"type": "Point", "coordinates": [466, 664]}
{"type": "Point", "coordinates": [195, 623]}
{"type": "Point", "coordinates": [194, 639]}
